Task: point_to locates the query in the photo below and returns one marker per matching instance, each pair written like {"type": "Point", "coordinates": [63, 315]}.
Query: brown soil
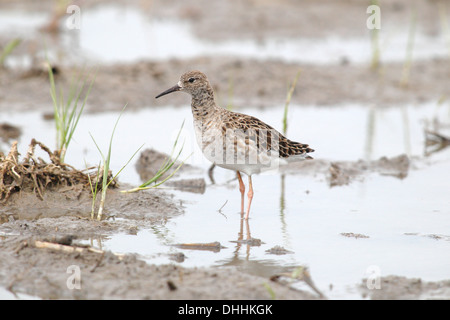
{"type": "Point", "coordinates": [34, 174]}
{"type": "Point", "coordinates": [401, 288]}
{"type": "Point", "coordinates": [137, 84]}
{"type": "Point", "coordinates": [340, 173]}
{"type": "Point", "coordinates": [43, 272]}
{"type": "Point", "coordinates": [8, 132]}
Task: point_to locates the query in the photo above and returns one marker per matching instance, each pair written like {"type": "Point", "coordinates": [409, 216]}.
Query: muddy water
{"type": "Point", "coordinates": [375, 226]}
{"type": "Point", "coordinates": [402, 223]}
{"type": "Point", "coordinates": [342, 132]}
{"type": "Point", "coordinates": [155, 39]}
{"type": "Point", "coordinates": [102, 39]}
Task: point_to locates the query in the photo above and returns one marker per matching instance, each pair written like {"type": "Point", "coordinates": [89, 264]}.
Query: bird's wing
{"type": "Point", "coordinates": [266, 137]}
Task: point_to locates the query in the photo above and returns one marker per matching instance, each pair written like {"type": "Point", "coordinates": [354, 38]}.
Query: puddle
{"type": "Point", "coordinates": [8, 295]}
{"type": "Point", "coordinates": [101, 39]}
{"type": "Point", "coordinates": [405, 222]}
{"type": "Point", "coordinates": [21, 23]}
{"type": "Point", "coordinates": [345, 132]}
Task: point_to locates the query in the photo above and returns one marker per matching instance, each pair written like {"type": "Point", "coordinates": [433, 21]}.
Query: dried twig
{"type": "Point", "coordinates": [70, 249]}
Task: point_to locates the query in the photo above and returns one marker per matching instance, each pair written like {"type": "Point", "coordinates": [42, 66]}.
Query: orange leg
{"type": "Point", "coordinates": [242, 190]}
{"type": "Point", "coordinates": [250, 196]}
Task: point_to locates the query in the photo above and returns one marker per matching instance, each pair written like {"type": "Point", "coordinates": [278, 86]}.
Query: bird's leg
{"type": "Point", "coordinates": [249, 237]}
{"type": "Point", "coordinates": [242, 190]}
{"type": "Point", "coordinates": [250, 196]}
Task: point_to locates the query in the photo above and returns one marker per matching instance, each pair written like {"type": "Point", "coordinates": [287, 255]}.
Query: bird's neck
{"type": "Point", "coordinates": [203, 103]}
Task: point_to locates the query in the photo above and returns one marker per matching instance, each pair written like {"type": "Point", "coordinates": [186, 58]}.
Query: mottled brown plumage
{"type": "Point", "coordinates": [234, 140]}
{"type": "Point", "coordinates": [286, 147]}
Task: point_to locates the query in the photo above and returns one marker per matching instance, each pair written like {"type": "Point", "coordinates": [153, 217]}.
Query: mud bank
{"type": "Point", "coordinates": [402, 288]}
{"type": "Point", "coordinates": [138, 83]}
{"type": "Point", "coordinates": [43, 273]}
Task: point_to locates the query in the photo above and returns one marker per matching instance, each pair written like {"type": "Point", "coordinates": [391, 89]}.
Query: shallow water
{"type": "Point", "coordinates": [8, 295]}
{"type": "Point", "coordinates": [406, 221]}
{"type": "Point", "coordinates": [342, 132]}
{"type": "Point", "coordinates": [102, 39]}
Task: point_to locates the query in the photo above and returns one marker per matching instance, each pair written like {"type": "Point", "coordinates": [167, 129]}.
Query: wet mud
{"type": "Point", "coordinates": [108, 276]}
{"type": "Point", "coordinates": [402, 288]}
{"type": "Point", "coordinates": [137, 84]}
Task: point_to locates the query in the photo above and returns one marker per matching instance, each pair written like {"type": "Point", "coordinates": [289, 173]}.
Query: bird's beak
{"type": "Point", "coordinates": [170, 90]}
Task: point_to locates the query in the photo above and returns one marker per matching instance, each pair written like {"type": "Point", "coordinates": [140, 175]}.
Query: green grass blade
{"type": "Point", "coordinates": [66, 111]}
{"type": "Point", "coordinates": [123, 167]}
{"type": "Point", "coordinates": [163, 170]}
{"type": "Point", "coordinates": [171, 175]}
{"type": "Point", "coordinates": [10, 46]}
{"type": "Point", "coordinates": [167, 163]}
{"type": "Point", "coordinates": [98, 148]}
{"type": "Point", "coordinates": [160, 183]}
{"type": "Point", "coordinates": [108, 157]}
{"type": "Point", "coordinates": [77, 118]}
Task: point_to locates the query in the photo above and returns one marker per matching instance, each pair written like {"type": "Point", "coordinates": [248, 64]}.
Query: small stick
{"type": "Point", "coordinates": [57, 247]}
{"type": "Point", "coordinates": [70, 249]}
{"type": "Point", "coordinates": [212, 246]}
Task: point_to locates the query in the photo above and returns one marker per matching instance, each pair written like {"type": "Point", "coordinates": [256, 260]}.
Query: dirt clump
{"type": "Point", "coordinates": [341, 173]}
{"type": "Point", "coordinates": [8, 132]}
{"type": "Point", "coordinates": [33, 173]}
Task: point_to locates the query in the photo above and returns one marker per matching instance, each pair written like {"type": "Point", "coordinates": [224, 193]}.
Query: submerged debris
{"type": "Point", "coordinates": [177, 257]}
{"type": "Point", "coordinates": [354, 235]}
{"type": "Point", "coordinates": [211, 246]}
{"type": "Point", "coordinates": [338, 175]}
{"type": "Point", "coordinates": [278, 250]}
{"type": "Point", "coordinates": [36, 175]}
{"type": "Point", "coordinates": [432, 236]}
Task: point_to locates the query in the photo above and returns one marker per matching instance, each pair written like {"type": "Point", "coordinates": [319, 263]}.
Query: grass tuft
{"type": "Point", "coordinates": [67, 113]}
{"type": "Point", "coordinates": [105, 169]}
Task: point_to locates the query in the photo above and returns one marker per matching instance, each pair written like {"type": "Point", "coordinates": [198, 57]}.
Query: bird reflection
{"type": "Point", "coordinates": [248, 241]}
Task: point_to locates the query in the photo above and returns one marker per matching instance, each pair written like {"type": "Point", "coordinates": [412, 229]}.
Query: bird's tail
{"type": "Point", "coordinates": [297, 148]}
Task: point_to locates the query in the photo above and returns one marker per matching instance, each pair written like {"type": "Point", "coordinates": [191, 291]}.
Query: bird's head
{"type": "Point", "coordinates": [192, 82]}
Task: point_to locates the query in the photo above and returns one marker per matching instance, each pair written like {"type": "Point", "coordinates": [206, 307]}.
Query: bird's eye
{"type": "Point", "coordinates": [191, 80]}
